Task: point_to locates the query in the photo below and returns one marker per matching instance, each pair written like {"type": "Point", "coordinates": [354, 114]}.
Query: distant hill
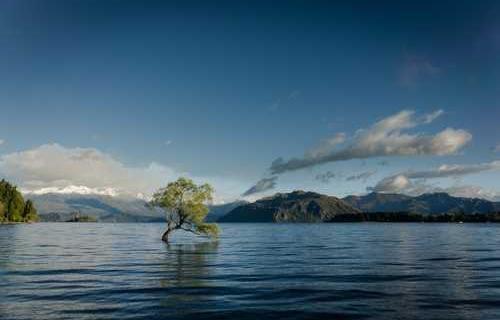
{"type": "Point", "coordinates": [297, 206]}
{"type": "Point", "coordinates": [56, 207]}
{"type": "Point", "coordinates": [430, 203]}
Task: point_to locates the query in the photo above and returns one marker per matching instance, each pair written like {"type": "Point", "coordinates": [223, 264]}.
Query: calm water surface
{"type": "Point", "coordinates": [335, 271]}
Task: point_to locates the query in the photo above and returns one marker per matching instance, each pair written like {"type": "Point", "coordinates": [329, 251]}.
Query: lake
{"type": "Point", "coordinates": [290, 271]}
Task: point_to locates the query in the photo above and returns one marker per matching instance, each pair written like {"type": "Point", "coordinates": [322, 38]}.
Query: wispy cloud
{"type": "Point", "coordinates": [428, 118]}
{"type": "Point", "coordinates": [275, 106]}
{"type": "Point", "coordinates": [497, 148]}
{"type": "Point", "coordinates": [325, 177]}
{"type": "Point", "coordinates": [168, 142]}
{"type": "Point", "coordinates": [361, 176]}
{"type": "Point", "coordinates": [387, 137]}
{"type": "Point", "coordinates": [326, 146]}
{"type": "Point", "coordinates": [294, 95]}
{"type": "Point", "coordinates": [279, 103]}
{"type": "Point", "coordinates": [456, 170]}
{"type": "Point", "coordinates": [2, 141]}
{"type": "Point", "coordinates": [262, 185]}
{"type": "Point", "coordinates": [415, 69]}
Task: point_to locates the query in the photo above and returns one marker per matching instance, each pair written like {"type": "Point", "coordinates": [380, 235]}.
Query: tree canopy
{"type": "Point", "coordinates": [13, 208]}
{"type": "Point", "coordinates": [185, 208]}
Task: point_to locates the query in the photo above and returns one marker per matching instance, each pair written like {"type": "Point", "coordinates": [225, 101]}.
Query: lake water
{"type": "Point", "coordinates": [290, 271]}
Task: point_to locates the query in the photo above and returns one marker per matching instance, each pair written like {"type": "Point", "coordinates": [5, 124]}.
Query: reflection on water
{"type": "Point", "coordinates": [337, 271]}
{"type": "Point", "coordinates": [187, 266]}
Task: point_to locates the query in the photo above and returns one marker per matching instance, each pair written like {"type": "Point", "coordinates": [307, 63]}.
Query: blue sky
{"type": "Point", "coordinates": [219, 90]}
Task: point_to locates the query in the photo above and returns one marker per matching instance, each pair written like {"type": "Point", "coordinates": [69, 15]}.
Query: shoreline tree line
{"type": "Point", "coordinates": [417, 217]}
{"type": "Point", "coordinates": [13, 208]}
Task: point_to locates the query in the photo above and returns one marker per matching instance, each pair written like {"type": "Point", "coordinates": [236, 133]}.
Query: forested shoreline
{"type": "Point", "coordinates": [13, 208]}
{"type": "Point", "coordinates": [416, 217]}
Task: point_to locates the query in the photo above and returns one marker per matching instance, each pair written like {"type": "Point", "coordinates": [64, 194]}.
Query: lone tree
{"type": "Point", "coordinates": [184, 204]}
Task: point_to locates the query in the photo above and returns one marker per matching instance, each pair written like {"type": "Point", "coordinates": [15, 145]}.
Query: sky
{"type": "Point", "coordinates": [257, 97]}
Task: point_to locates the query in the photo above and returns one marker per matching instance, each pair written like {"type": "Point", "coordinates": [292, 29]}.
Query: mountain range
{"type": "Point", "coordinates": [301, 206]}
{"type": "Point", "coordinates": [429, 203]}
{"type": "Point", "coordinates": [297, 206]}
{"type": "Point", "coordinates": [58, 207]}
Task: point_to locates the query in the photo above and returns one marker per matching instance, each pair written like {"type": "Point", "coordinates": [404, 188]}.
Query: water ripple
{"type": "Point", "coordinates": [331, 271]}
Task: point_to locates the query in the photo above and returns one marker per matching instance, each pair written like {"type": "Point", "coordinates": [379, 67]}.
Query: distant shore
{"type": "Point", "coordinates": [10, 222]}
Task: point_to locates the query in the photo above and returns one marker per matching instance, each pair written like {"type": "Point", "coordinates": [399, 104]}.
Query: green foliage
{"type": "Point", "coordinates": [30, 213]}
{"type": "Point", "coordinates": [184, 204]}
{"type": "Point", "coordinates": [78, 218]}
{"type": "Point", "coordinates": [2, 212]}
{"type": "Point", "coordinates": [12, 205]}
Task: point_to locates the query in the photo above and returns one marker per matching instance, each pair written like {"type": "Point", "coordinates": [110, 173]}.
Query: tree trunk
{"type": "Point", "coordinates": [164, 237]}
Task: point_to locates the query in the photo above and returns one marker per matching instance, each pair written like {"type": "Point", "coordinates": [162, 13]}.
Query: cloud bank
{"type": "Point", "coordinates": [112, 192]}
{"type": "Point", "coordinates": [388, 137]}
{"type": "Point", "coordinates": [52, 167]}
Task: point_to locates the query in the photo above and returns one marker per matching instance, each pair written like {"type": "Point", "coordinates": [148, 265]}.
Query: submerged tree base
{"type": "Point", "coordinates": [165, 235]}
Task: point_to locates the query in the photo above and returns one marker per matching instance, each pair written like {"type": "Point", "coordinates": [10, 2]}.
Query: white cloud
{"type": "Point", "coordinates": [415, 182]}
{"type": "Point", "coordinates": [383, 139]}
{"type": "Point", "coordinates": [473, 192]}
{"type": "Point", "coordinates": [326, 146]}
{"type": "Point", "coordinates": [52, 168]}
{"type": "Point", "coordinates": [393, 184]}
{"type": "Point", "coordinates": [55, 166]}
{"type": "Point", "coordinates": [2, 141]}
{"type": "Point", "coordinates": [401, 184]}
{"type": "Point", "coordinates": [75, 189]}
{"type": "Point", "coordinates": [168, 142]}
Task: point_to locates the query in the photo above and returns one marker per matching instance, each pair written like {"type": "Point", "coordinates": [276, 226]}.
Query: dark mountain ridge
{"type": "Point", "coordinates": [297, 206]}
{"type": "Point", "coordinates": [429, 203]}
